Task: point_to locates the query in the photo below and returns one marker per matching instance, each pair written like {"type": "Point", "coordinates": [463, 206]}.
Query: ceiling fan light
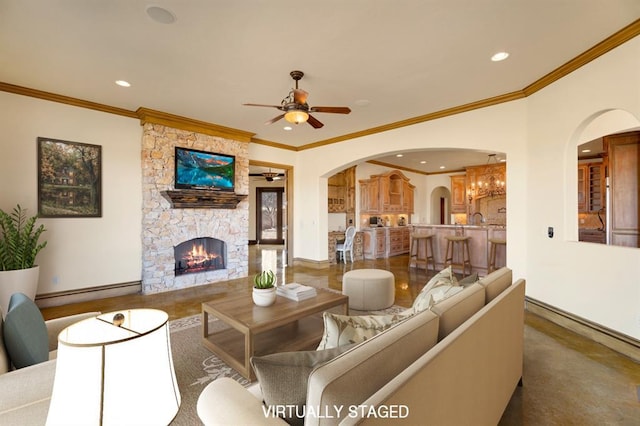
{"type": "Point", "coordinates": [296, 116]}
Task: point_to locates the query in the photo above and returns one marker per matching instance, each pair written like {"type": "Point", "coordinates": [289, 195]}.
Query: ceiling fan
{"type": "Point", "coordinates": [269, 176]}
{"type": "Point", "coordinates": [296, 109]}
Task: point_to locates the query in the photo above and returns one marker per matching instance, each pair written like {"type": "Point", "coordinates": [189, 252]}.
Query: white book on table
{"type": "Point", "coordinates": [296, 291]}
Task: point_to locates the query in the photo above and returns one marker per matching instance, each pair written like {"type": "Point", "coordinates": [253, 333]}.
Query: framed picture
{"type": "Point", "coordinates": [69, 179]}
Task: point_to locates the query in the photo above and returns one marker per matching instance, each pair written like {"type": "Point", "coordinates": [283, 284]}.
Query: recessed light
{"type": "Point", "coordinates": [123, 83]}
{"type": "Point", "coordinates": [399, 155]}
{"type": "Point", "coordinates": [500, 56]}
{"type": "Point", "coordinates": [442, 167]}
{"type": "Point", "coordinates": [423, 162]}
{"type": "Point", "coordinates": [363, 102]}
{"type": "Point", "coordinates": [288, 128]}
{"type": "Point", "coordinates": [161, 15]}
{"type": "Point", "coordinates": [586, 150]}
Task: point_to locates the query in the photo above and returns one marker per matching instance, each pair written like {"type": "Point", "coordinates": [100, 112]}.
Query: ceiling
{"type": "Point", "coordinates": [389, 61]}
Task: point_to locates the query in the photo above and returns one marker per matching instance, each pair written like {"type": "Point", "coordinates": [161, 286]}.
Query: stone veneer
{"type": "Point", "coordinates": [164, 227]}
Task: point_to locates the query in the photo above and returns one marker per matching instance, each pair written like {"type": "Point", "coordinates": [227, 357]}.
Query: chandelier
{"type": "Point", "coordinates": [490, 183]}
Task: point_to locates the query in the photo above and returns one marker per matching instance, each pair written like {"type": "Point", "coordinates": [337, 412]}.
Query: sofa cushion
{"type": "Point", "coordinates": [25, 333]}
{"type": "Point", "coordinates": [283, 377]}
{"type": "Point", "coordinates": [496, 282]}
{"type": "Point", "coordinates": [346, 329]}
{"type": "Point", "coordinates": [458, 308]}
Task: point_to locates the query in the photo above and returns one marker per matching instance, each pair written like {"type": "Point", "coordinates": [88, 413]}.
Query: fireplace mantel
{"type": "Point", "coordinates": [202, 199]}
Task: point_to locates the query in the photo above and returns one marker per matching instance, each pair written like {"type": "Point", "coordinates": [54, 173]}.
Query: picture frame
{"type": "Point", "coordinates": [69, 179]}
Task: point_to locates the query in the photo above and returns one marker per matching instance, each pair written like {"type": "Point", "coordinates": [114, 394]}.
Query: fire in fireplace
{"type": "Point", "coordinates": [200, 255]}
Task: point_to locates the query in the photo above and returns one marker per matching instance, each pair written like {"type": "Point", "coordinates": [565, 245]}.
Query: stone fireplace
{"type": "Point", "coordinates": [165, 228]}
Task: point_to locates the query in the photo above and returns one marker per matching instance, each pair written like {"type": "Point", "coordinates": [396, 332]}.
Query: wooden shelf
{"type": "Point", "coordinates": [202, 199]}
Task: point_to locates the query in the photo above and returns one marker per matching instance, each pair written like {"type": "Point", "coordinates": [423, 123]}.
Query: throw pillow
{"type": "Point", "coordinates": [427, 299]}
{"type": "Point", "coordinates": [283, 377]}
{"type": "Point", "coordinates": [25, 333]}
{"type": "Point", "coordinates": [471, 279]}
{"type": "Point", "coordinates": [345, 329]}
{"type": "Point", "coordinates": [444, 277]}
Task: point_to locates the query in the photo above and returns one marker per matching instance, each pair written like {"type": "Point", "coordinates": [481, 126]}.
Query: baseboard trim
{"type": "Point", "coordinates": [612, 339]}
{"type": "Point", "coordinates": [87, 294]}
{"type": "Point", "coordinates": [308, 263]}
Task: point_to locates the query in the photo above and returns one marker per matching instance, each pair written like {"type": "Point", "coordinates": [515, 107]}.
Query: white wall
{"type": "Point", "coordinates": [82, 252]}
{"type": "Point", "coordinates": [500, 128]}
{"type": "Point", "coordinates": [597, 282]}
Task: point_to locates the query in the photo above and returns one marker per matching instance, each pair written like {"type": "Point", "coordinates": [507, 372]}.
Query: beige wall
{"type": "Point", "coordinates": [83, 252]}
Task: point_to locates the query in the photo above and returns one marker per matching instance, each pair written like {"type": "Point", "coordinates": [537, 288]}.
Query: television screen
{"type": "Point", "coordinates": [204, 170]}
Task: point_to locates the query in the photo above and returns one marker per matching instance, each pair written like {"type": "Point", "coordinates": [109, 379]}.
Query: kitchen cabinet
{"type": "Point", "coordinates": [458, 194]}
{"type": "Point", "coordinates": [399, 241]}
{"type": "Point", "coordinates": [591, 187]}
{"type": "Point", "coordinates": [375, 243]}
{"type": "Point", "coordinates": [388, 193]}
{"type": "Point", "coordinates": [341, 191]}
{"type": "Point", "coordinates": [624, 174]}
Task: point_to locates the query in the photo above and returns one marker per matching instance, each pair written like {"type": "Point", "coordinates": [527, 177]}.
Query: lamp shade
{"type": "Point", "coordinates": [296, 116]}
{"type": "Point", "coordinates": [115, 375]}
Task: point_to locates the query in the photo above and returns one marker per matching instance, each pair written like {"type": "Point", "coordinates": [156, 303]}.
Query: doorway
{"type": "Point", "coordinates": [270, 211]}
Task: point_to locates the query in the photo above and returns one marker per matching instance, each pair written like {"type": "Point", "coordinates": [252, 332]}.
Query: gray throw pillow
{"type": "Point", "coordinates": [467, 281]}
{"type": "Point", "coordinates": [25, 333]}
{"type": "Point", "coordinates": [283, 377]}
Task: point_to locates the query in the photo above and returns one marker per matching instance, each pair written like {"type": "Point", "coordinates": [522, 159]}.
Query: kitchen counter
{"type": "Point", "coordinates": [478, 243]}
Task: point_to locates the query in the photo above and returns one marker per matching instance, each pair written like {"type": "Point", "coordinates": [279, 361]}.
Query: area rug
{"type": "Point", "coordinates": [196, 366]}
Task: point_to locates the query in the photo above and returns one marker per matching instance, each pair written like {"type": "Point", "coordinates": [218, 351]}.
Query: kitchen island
{"type": "Point", "coordinates": [479, 245]}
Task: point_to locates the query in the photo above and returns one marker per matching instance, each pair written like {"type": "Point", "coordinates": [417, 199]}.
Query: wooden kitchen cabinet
{"type": "Point", "coordinates": [591, 187]}
{"type": "Point", "coordinates": [375, 243]}
{"type": "Point", "coordinates": [388, 193]}
{"type": "Point", "coordinates": [341, 191]}
{"type": "Point", "coordinates": [399, 241]}
{"type": "Point", "coordinates": [458, 194]}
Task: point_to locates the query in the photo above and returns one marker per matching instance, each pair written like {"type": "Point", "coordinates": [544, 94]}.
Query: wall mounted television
{"type": "Point", "coordinates": [196, 169]}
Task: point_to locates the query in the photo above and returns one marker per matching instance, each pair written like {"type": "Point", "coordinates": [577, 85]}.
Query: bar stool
{"type": "Point", "coordinates": [494, 243]}
{"type": "Point", "coordinates": [415, 257]}
{"type": "Point", "coordinates": [461, 245]}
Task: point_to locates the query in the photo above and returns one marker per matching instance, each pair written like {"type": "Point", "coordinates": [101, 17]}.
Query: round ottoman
{"type": "Point", "coordinates": [369, 289]}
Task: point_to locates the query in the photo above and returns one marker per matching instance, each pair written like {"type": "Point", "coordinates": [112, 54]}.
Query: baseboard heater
{"type": "Point", "coordinates": [86, 294]}
{"type": "Point", "coordinates": [612, 339]}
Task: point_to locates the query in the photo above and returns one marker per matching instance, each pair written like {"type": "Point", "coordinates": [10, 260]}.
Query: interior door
{"type": "Point", "coordinates": [269, 215]}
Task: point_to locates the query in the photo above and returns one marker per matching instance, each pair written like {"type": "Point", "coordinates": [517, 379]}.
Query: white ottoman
{"type": "Point", "coordinates": [369, 289]}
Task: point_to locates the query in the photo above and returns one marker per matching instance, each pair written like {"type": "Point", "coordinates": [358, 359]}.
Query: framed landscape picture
{"type": "Point", "coordinates": [69, 179]}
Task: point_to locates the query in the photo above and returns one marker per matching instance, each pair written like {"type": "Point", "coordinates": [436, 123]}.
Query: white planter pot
{"type": "Point", "coordinates": [18, 281]}
{"type": "Point", "coordinates": [264, 296]}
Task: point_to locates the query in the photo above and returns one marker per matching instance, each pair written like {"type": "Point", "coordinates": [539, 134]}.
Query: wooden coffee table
{"type": "Point", "coordinates": [286, 325]}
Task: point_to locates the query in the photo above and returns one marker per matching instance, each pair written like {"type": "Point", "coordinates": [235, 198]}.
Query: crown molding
{"type": "Point", "coordinates": [420, 119]}
{"type": "Point", "coordinates": [147, 115]}
{"type": "Point", "coordinates": [274, 144]}
{"type": "Point", "coordinates": [68, 100]}
{"type": "Point", "coordinates": [157, 117]}
{"type": "Point", "coordinates": [627, 33]}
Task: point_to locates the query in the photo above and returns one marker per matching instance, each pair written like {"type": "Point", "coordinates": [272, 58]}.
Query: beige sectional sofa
{"type": "Point", "coordinates": [25, 393]}
{"type": "Point", "coordinates": [457, 363]}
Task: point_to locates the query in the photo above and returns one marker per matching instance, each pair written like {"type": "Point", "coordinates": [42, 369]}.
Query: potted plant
{"type": "Point", "coordinates": [264, 288]}
{"type": "Point", "coordinates": [19, 246]}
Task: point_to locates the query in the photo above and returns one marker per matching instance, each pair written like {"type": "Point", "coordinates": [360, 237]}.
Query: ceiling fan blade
{"type": "Point", "coordinates": [263, 105]}
{"type": "Point", "coordinates": [334, 110]}
{"type": "Point", "coordinates": [273, 120]}
{"type": "Point", "coordinates": [300, 96]}
{"type": "Point", "coordinates": [314, 122]}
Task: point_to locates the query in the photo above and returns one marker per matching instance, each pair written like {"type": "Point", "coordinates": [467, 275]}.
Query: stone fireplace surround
{"type": "Point", "coordinates": [164, 227]}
